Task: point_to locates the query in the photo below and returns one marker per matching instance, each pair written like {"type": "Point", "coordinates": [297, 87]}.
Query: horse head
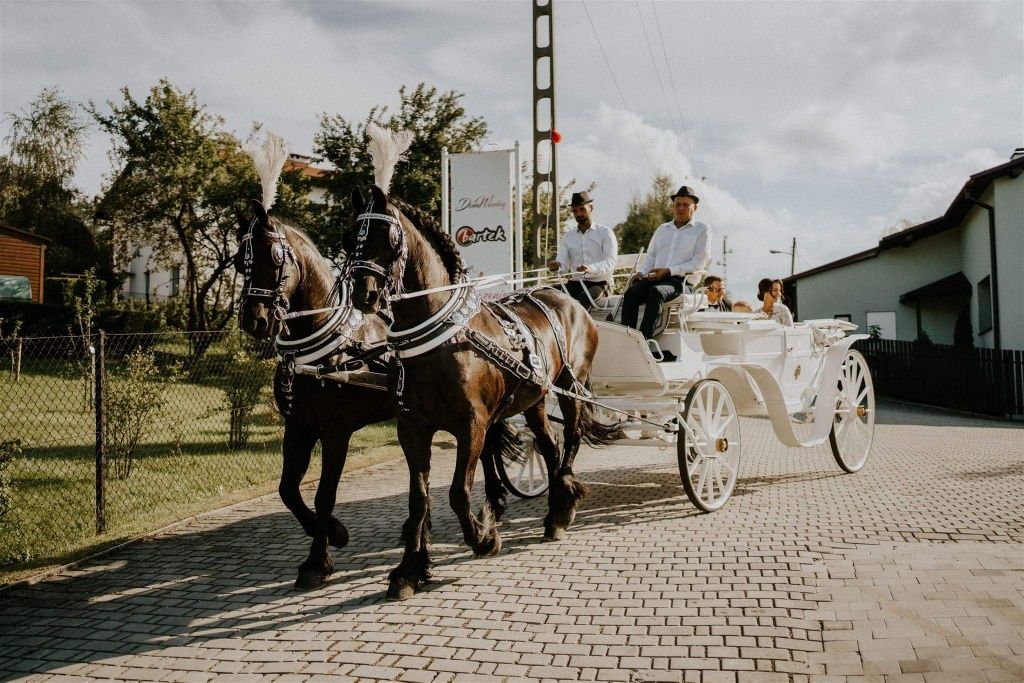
{"type": "Point", "coordinates": [270, 271]}
{"type": "Point", "coordinates": [377, 250]}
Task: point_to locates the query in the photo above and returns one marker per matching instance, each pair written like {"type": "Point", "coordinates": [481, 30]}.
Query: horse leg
{"type": "Point", "coordinates": [537, 421]}
{"type": "Point", "coordinates": [296, 449]}
{"type": "Point", "coordinates": [414, 570]}
{"type": "Point", "coordinates": [481, 534]}
{"type": "Point", "coordinates": [500, 439]}
{"type": "Point", "coordinates": [570, 489]}
{"type": "Point", "coordinates": [319, 565]}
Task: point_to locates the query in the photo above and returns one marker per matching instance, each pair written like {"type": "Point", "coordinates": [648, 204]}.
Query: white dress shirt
{"type": "Point", "coordinates": [682, 250]}
{"type": "Point", "coordinates": [597, 249]}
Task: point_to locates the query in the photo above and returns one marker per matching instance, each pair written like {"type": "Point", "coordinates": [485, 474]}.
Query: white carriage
{"type": "Point", "coordinates": [806, 379]}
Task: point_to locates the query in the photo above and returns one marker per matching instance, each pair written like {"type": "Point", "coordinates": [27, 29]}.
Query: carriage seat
{"type": "Point", "coordinates": [683, 305]}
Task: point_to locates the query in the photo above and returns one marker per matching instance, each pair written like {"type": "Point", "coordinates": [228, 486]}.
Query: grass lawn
{"type": "Point", "coordinates": [183, 465]}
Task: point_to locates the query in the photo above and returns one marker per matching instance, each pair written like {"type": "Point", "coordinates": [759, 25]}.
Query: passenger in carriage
{"type": "Point", "coordinates": [770, 292]}
{"type": "Point", "coordinates": [588, 252]}
{"type": "Point", "coordinates": [678, 247]}
{"type": "Point", "coordinates": [714, 288]}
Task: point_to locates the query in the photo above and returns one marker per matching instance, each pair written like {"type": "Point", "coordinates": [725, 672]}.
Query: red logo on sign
{"type": "Point", "coordinates": [466, 235]}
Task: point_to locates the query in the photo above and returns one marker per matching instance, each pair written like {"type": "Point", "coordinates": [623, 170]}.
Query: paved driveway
{"type": "Point", "coordinates": [911, 570]}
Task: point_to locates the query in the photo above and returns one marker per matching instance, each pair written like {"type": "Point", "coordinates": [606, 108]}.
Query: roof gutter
{"type": "Point", "coordinates": [995, 273]}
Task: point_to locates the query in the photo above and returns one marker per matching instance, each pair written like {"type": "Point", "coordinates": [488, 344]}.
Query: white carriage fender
{"type": "Point", "coordinates": [775, 402]}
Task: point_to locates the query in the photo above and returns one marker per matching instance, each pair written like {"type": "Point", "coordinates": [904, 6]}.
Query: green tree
{"type": "Point", "coordinates": [644, 215]}
{"type": "Point", "coordinates": [178, 178]}
{"type": "Point", "coordinates": [437, 119]}
{"type": "Point", "coordinates": [36, 191]}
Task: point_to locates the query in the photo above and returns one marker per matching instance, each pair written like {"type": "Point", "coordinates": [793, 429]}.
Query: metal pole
{"type": "Point", "coordinates": [519, 211]}
{"type": "Point", "coordinates": [544, 48]}
{"type": "Point", "coordinates": [445, 191]}
{"type": "Point", "coordinates": [100, 371]}
{"type": "Point", "coordinates": [17, 360]}
{"type": "Point", "coordinates": [792, 258]}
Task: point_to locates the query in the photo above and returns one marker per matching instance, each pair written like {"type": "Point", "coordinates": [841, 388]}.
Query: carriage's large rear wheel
{"type": "Point", "coordinates": [709, 451]}
{"type": "Point", "coordinates": [853, 427]}
{"type": "Point", "coordinates": [526, 479]}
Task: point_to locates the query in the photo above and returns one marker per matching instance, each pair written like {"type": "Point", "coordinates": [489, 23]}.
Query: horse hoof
{"type": "Point", "coordinates": [401, 589]}
{"type": "Point", "coordinates": [310, 579]}
{"type": "Point", "coordinates": [488, 547]}
{"type": "Point", "coordinates": [556, 534]}
{"type": "Point", "coordinates": [337, 534]}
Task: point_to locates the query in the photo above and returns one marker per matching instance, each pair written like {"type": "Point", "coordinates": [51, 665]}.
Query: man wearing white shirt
{"type": "Point", "coordinates": [678, 247]}
{"type": "Point", "coordinates": [588, 252]}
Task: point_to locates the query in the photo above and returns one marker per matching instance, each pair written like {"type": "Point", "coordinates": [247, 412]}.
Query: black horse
{"type": "Point", "coordinates": [459, 370]}
{"type": "Point", "coordinates": [283, 271]}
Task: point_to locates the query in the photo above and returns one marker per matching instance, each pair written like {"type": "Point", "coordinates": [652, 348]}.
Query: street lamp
{"type": "Point", "coordinates": [791, 254]}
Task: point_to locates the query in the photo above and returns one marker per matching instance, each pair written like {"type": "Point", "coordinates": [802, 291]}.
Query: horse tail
{"type": "Point", "coordinates": [593, 432]}
{"type": "Point", "coordinates": [503, 442]}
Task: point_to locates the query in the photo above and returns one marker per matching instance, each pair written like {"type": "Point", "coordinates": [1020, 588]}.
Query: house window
{"type": "Point", "coordinates": [175, 277]}
{"type": "Point", "coordinates": [843, 316]}
{"type": "Point", "coordinates": [985, 305]}
{"type": "Point", "coordinates": [884, 322]}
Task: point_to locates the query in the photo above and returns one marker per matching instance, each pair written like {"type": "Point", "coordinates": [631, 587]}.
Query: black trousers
{"type": "Point", "coordinates": [575, 289]}
{"type": "Point", "coordinates": [652, 294]}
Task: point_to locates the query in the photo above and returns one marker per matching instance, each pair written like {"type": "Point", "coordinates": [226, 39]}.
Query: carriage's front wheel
{"type": "Point", "coordinates": [526, 479]}
{"type": "Point", "coordinates": [853, 427]}
{"type": "Point", "coordinates": [709, 446]}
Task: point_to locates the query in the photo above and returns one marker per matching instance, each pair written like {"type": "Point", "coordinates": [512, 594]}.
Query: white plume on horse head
{"type": "Point", "coordinates": [386, 150]}
{"type": "Point", "coordinates": [268, 160]}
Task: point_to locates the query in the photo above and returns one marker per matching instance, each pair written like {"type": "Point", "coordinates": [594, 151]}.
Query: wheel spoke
{"type": "Point", "coordinates": [702, 471]}
{"type": "Point", "coordinates": [726, 423]}
{"type": "Point", "coordinates": [711, 494]}
{"type": "Point", "coordinates": [717, 416]}
{"type": "Point", "coordinates": [718, 477]}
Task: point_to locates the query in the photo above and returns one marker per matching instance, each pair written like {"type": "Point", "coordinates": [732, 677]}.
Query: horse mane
{"type": "Point", "coordinates": [302, 243]}
{"type": "Point", "coordinates": [440, 239]}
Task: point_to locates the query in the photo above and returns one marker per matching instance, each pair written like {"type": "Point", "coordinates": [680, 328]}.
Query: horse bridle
{"type": "Point", "coordinates": [391, 278]}
{"type": "Point", "coordinates": [280, 253]}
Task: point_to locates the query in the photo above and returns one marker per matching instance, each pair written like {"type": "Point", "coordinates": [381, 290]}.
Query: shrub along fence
{"type": "Point", "coordinates": [963, 378]}
{"type": "Point", "coordinates": [115, 434]}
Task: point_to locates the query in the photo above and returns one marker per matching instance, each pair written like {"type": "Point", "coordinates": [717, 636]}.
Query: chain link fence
{"type": "Point", "coordinates": [111, 435]}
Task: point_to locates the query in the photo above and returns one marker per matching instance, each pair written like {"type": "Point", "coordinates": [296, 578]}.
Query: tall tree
{"type": "Point", "coordinates": [178, 178]}
{"type": "Point", "coordinates": [644, 215]}
{"type": "Point", "coordinates": [36, 191]}
{"type": "Point", "coordinates": [437, 119]}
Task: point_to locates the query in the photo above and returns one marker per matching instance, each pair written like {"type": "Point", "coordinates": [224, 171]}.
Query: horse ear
{"type": "Point", "coordinates": [243, 224]}
{"type": "Point", "coordinates": [358, 201]}
{"type": "Point", "coordinates": [378, 196]}
{"type": "Point", "coordinates": [261, 212]}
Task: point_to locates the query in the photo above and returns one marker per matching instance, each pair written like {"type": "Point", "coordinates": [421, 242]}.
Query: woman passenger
{"type": "Point", "coordinates": [770, 292]}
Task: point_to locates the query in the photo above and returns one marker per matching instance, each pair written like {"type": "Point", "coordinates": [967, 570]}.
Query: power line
{"type": "Point", "coordinates": [675, 92]}
{"type": "Point", "coordinates": [657, 73]}
{"type": "Point", "coordinates": [622, 98]}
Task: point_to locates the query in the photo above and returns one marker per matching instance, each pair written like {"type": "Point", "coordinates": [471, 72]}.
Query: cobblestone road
{"type": "Point", "coordinates": [911, 570]}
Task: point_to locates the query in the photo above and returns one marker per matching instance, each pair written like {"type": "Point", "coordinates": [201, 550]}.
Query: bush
{"type": "Point", "coordinates": [8, 451]}
{"type": "Point", "coordinates": [245, 377]}
{"type": "Point", "coordinates": [132, 398]}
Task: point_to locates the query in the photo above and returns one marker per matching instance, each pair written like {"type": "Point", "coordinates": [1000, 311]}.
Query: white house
{"type": "Point", "coordinates": [962, 266]}
{"type": "Point", "coordinates": [151, 281]}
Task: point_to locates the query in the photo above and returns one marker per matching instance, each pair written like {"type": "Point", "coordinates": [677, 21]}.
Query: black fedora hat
{"type": "Point", "coordinates": [686, 191]}
{"type": "Point", "coordinates": [581, 198]}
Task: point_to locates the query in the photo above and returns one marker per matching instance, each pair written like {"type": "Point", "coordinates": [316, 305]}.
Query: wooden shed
{"type": "Point", "coordinates": [23, 253]}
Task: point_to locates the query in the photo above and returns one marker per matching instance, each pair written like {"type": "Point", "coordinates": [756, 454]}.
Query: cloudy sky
{"type": "Point", "coordinates": [827, 122]}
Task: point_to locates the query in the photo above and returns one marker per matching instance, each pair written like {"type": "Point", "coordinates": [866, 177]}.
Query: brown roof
{"type": "Point", "coordinates": [307, 169]}
{"type": "Point", "coordinates": [25, 234]}
{"type": "Point", "coordinates": [956, 212]}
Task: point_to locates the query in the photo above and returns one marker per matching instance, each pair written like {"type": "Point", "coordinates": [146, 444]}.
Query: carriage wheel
{"type": "Point", "coordinates": [527, 479]}
{"type": "Point", "coordinates": [709, 464]}
{"type": "Point", "coordinates": [853, 427]}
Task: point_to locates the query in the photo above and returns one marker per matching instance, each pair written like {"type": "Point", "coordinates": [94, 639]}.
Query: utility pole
{"type": "Point", "coordinates": [792, 258]}
{"type": "Point", "coordinates": [544, 126]}
{"type": "Point", "coordinates": [725, 256]}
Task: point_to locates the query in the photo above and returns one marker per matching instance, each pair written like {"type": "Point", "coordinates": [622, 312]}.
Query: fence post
{"type": "Point", "coordinates": [100, 373]}
{"type": "Point", "coordinates": [17, 359]}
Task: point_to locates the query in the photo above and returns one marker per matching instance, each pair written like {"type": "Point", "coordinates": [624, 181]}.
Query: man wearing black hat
{"type": "Point", "coordinates": [588, 252]}
{"type": "Point", "coordinates": [678, 248]}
